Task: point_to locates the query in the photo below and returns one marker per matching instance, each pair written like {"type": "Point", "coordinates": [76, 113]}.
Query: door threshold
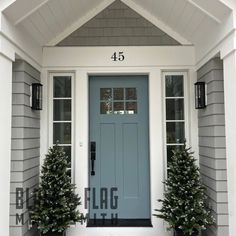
{"type": "Point", "coordinates": [119, 223]}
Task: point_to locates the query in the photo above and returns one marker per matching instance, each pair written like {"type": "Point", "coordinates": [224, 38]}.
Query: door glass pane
{"type": "Point", "coordinates": [131, 94]}
{"type": "Point", "coordinates": [114, 104]}
{"type": "Point", "coordinates": [174, 86]}
{"type": "Point", "coordinates": [67, 150]}
{"type": "Point", "coordinates": [62, 110]}
{"type": "Point", "coordinates": [106, 107]}
{"type": "Point", "coordinates": [175, 132]}
{"type": "Point", "coordinates": [62, 133]}
{"type": "Point", "coordinates": [119, 108]}
{"type": "Point", "coordinates": [105, 94]}
{"type": "Point", "coordinates": [131, 107]}
{"type": "Point", "coordinates": [62, 86]}
{"type": "Point", "coordinates": [175, 109]}
{"type": "Point", "coordinates": [170, 150]}
{"type": "Point", "coordinates": [118, 93]}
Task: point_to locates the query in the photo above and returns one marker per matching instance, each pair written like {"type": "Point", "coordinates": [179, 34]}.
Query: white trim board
{"type": "Point", "coordinates": [17, 42]}
{"type": "Point", "coordinates": [155, 56]}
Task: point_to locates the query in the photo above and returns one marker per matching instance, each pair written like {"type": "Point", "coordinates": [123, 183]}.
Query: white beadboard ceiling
{"type": "Point", "coordinates": [50, 21]}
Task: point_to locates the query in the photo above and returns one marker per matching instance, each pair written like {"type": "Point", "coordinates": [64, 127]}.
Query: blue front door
{"type": "Point", "coordinates": [119, 147]}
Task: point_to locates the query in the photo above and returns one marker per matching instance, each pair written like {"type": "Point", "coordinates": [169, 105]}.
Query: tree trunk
{"type": "Point", "coordinates": [54, 234]}
{"type": "Point", "coordinates": [179, 232]}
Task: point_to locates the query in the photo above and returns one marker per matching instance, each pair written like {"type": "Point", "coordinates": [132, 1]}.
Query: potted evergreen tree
{"type": "Point", "coordinates": [55, 203]}
{"type": "Point", "coordinates": [184, 207]}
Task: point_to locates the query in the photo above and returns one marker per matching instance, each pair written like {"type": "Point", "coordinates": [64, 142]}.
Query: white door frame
{"type": "Point", "coordinates": [155, 133]}
{"type": "Point", "coordinates": [65, 60]}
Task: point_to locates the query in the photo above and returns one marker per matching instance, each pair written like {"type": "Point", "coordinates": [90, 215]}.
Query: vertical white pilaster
{"type": "Point", "coordinates": [44, 119]}
{"type": "Point", "coordinates": [230, 126]}
{"type": "Point", "coordinates": [5, 141]}
{"type": "Point", "coordinates": [193, 113]}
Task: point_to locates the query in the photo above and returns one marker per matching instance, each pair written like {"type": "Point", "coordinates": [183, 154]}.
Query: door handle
{"type": "Point", "coordinates": [92, 156]}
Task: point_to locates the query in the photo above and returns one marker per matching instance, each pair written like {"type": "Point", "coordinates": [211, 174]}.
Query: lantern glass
{"type": "Point", "coordinates": [200, 95]}
{"type": "Point", "coordinates": [37, 93]}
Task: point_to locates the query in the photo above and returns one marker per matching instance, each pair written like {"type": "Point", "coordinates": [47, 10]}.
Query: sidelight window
{"type": "Point", "coordinates": [174, 112]}
{"type": "Point", "coordinates": [62, 114]}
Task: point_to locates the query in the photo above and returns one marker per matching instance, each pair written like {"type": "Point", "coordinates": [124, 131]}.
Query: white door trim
{"type": "Point", "coordinates": [144, 60]}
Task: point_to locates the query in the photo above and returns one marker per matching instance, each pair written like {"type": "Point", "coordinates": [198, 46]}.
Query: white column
{"type": "Point", "coordinates": [230, 126]}
{"type": "Point", "coordinates": [5, 141]}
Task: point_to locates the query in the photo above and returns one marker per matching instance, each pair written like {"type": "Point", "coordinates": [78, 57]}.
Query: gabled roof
{"type": "Point", "coordinates": [118, 25]}
{"type": "Point", "coordinates": [50, 21]}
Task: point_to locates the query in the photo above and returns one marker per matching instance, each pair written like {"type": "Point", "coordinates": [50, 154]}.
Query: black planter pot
{"type": "Point", "coordinates": [179, 232]}
{"type": "Point", "coordinates": [54, 234]}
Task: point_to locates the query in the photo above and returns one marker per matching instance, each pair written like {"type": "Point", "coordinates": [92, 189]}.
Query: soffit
{"type": "Point", "coordinates": [50, 21]}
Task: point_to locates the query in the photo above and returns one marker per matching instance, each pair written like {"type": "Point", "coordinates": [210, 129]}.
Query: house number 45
{"type": "Point", "coordinates": [118, 56]}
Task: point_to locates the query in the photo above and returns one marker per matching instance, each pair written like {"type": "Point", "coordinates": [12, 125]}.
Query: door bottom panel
{"type": "Point", "coordinates": [119, 223]}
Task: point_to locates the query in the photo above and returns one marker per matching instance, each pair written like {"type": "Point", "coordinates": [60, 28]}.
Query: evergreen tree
{"type": "Point", "coordinates": [184, 206]}
{"type": "Point", "coordinates": [55, 201]}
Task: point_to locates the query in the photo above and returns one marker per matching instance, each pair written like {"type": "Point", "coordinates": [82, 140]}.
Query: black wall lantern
{"type": "Point", "coordinates": [200, 95]}
{"type": "Point", "coordinates": [36, 96]}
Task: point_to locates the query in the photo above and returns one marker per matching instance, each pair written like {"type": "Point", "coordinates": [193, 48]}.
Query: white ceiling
{"type": "Point", "coordinates": [49, 21]}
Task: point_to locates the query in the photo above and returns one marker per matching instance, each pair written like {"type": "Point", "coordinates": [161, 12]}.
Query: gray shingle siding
{"type": "Point", "coordinates": [25, 144]}
{"type": "Point", "coordinates": [212, 154]}
{"type": "Point", "coordinates": [118, 25]}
